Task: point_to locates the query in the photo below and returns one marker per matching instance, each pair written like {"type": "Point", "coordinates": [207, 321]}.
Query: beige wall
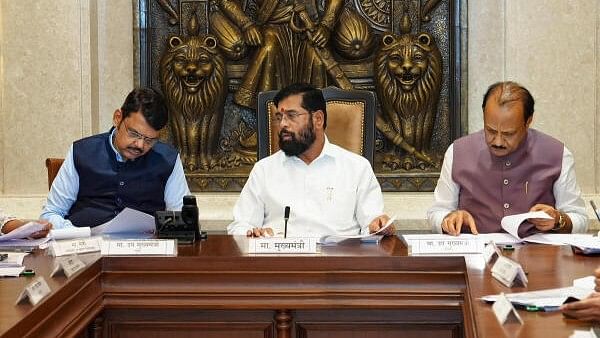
{"type": "Point", "coordinates": [66, 65]}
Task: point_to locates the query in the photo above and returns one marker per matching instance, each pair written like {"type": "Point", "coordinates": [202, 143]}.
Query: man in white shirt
{"type": "Point", "coordinates": [506, 169]}
{"type": "Point", "coordinates": [329, 190]}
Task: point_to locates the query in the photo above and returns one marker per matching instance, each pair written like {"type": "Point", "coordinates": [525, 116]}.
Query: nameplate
{"type": "Point", "coordinates": [491, 251]}
{"type": "Point", "coordinates": [505, 311]}
{"type": "Point", "coordinates": [509, 272]}
{"type": "Point", "coordinates": [139, 247]}
{"type": "Point", "coordinates": [34, 292]}
{"type": "Point", "coordinates": [68, 265]}
{"type": "Point", "coordinates": [446, 246]}
{"type": "Point", "coordinates": [283, 245]}
{"type": "Point", "coordinates": [75, 246]}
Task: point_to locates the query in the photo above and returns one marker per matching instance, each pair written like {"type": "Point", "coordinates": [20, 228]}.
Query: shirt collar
{"type": "Point", "coordinates": [327, 151]}
{"type": "Point", "coordinates": [118, 155]}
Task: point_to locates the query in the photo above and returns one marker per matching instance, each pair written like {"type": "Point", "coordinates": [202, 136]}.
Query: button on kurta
{"type": "Point", "coordinates": [507, 163]}
{"type": "Point", "coordinates": [506, 205]}
{"type": "Point", "coordinates": [505, 181]}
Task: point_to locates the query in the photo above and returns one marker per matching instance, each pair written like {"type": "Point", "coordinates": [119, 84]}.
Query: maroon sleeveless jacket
{"type": "Point", "coordinates": [493, 187]}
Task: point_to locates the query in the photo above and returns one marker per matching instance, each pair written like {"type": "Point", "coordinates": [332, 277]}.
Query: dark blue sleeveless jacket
{"type": "Point", "coordinates": [107, 186]}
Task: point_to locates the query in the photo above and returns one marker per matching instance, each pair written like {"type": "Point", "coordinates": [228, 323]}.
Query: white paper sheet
{"type": "Point", "coordinates": [70, 232]}
{"type": "Point", "coordinates": [367, 238]}
{"type": "Point", "coordinates": [127, 221]}
{"type": "Point", "coordinates": [11, 271]}
{"type": "Point", "coordinates": [14, 259]}
{"type": "Point", "coordinates": [511, 223]}
{"type": "Point", "coordinates": [23, 231]}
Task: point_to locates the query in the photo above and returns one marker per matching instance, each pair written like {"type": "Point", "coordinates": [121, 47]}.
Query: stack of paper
{"type": "Point", "coordinates": [13, 265]}
{"type": "Point", "coordinates": [19, 237]}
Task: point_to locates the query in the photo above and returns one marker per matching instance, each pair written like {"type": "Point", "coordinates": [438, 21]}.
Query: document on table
{"type": "Point", "coordinates": [23, 231]}
{"type": "Point", "coordinates": [374, 237]}
{"type": "Point", "coordinates": [511, 223]}
{"type": "Point", "coordinates": [70, 232]}
{"type": "Point", "coordinates": [127, 221]}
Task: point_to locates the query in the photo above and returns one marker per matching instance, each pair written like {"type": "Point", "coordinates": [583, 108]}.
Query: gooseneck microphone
{"type": "Point", "coordinates": [286, 217]}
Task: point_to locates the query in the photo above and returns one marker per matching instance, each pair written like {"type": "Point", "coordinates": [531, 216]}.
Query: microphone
{"type": "Point", "coordinates": [286, 217]}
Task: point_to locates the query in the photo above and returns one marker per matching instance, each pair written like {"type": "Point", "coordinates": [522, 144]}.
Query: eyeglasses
{"type": "Point", "coordinates": [148, 141]}
{"type": "Point", "coordinates": [290, 116]}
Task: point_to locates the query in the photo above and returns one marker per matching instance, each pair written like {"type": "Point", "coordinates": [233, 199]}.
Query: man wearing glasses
{"type": "Point", "coordinates": [125, 167]}
{"type": "Point", "coordinates": [329, 190]}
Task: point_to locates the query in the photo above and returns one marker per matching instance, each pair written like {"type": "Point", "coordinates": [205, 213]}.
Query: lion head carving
{"type": "Point", "coordinates": [193, 81]}
{"type": "Point", "coordinates": [408, 71]}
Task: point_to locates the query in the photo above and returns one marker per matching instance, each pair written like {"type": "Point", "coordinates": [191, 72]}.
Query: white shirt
{"type": "Point", "coordinates": [337, 193]}
{"type": "Point", "coordinates": [567, 194]}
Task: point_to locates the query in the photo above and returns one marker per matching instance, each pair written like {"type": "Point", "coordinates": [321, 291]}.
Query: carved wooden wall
{"type": "Point", "coordinates": [211, 58]}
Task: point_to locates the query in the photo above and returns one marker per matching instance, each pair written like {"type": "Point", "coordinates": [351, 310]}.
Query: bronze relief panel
{"type": "Point", "coordinates": [211, 58]}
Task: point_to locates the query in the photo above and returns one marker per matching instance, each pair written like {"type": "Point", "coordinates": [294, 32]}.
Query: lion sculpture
{"type": "Point", "coordinates": [408, 71]}
{"type": "Point", "coordinates": [193, 81]}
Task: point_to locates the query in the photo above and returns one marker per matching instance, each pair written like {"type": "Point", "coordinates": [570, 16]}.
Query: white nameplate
{"type": "Point", "coordinates": [69, 265]}
{"type": "Point", "coordinates": [490, 251]}
{"type": "Point", "coordinates": [446, 246]}
{"type": "Point", "coordinates": [283, 245]}
{"type": "Point", "coordinates": [34, 292]}
{"type": "Point", "coordinates": [139, 247]}
{"type": "Point", "coordinates": [75, 246]}
{"type": "Point", "coordinates": [504, 310]}
{"type": "Point", "coordinates": [508, 272]}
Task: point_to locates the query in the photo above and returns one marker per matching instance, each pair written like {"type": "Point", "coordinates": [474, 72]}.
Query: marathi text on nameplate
{"type": "Point", "coordinates": [69, 265]}
{"type": "Point", "coordinates": [283, 245]}
{"type": "Point", "coordinates": [34, 292]}
{"type": "Point", "coordinates": [446, 246]}
{"type": "Point", "coordinates": [139, 247]}
{"type": "Point", "coordinates": [75, 246]}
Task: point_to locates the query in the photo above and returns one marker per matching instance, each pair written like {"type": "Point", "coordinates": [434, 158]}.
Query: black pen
{"type": "Point", "coordinates": [595, 209]}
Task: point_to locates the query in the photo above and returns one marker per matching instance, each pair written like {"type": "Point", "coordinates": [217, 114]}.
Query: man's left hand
{"type": "Point", "coordinates": [320, 37]}
{"type": "Point", "coordinates": [379, 222]}
{"type": "Point", "coordinates": [545, 224]}
{"type": "Point", "coordinates": [586, 309]}
{"type": "Point", "coordinates": [44, 232]}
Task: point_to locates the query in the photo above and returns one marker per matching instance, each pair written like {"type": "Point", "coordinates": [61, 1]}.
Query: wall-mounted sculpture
{"type": "Point", "coordinates": [408, 71]}
{"type": "Point", "coordinates": [212, 57]}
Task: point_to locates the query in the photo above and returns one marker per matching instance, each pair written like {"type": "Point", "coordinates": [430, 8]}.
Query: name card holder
{"type": "Point", "coordinates": [34, 292]}
{"type": "Point", "coordinates": [283, 245]}
{"type": "Point", "coordinates": [509, 272]}
{"type": "Point", "coordinates": [491, 252]}
{"type": "Point", "coordinates": [139, 247]}
{"type": "Point", "coordinates": [68, 265]}
{"type": "Point", "coordinates": [446, 246]}
{"type": "Point", "coordinates": [75, 246]}
{"type": "Point", "coordinates": [505, 311]}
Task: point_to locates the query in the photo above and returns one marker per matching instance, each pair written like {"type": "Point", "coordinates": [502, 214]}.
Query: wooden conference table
{"type": "Point", "coordinates": [214, 289]}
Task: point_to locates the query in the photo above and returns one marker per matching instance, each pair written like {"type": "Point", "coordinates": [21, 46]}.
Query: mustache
{"type": "Point", "coordinates": [135, 150]}
{"type": "Point", "coordinates": [498, 147]}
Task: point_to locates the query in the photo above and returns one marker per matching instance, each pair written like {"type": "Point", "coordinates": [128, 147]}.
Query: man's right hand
{"type": "Point", "coordinates": [260, 232]}
{"type": "Point", "coordinates": [253, 36]}
{"type": "Point", "coordinates": [455, 220]}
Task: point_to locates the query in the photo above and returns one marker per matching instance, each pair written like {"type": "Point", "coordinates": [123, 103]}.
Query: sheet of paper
{"type": "Point", "coordinates": [24, 243]}
{"type": "Point", "coordinates": [511, 223]}
{"type": "Point", "coordinates": [543, 298]}
{"type": "Point", "coordinates": [11, 271]}
{"type": "Point", "coordinates": [584, 242]}
{"type": "Point", "coordinates": [374, 237]}
{"type": "Point", "coordinates": [14, 259]}
{"type": "Point", "coordinates": [127, 221]}
{"type": "Point", "coordinates": [23, 231]}
{"type": "Point", "coordinates": [70, 232]}
{"type": "Point", "coordinates": [588, 282]}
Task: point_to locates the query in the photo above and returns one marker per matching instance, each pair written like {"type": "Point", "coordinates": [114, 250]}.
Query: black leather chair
{"type": "Point", "coordinates": [350, 121]}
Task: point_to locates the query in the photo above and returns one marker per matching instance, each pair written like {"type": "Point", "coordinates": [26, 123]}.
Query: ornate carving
{"type": "Point", "coordinates": [193, 82]}
{"type": "Point", "coordinates": [267, 44]}
{"type": "Point", "coordinates": [408, 70]}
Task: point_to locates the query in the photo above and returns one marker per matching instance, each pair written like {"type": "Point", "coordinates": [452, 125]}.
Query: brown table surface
{"type": "Point", "coordinates": [547, 267]}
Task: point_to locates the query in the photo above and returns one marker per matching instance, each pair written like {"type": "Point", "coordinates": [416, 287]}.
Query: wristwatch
{"type": "Point", "coordinates": [562, 222]}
